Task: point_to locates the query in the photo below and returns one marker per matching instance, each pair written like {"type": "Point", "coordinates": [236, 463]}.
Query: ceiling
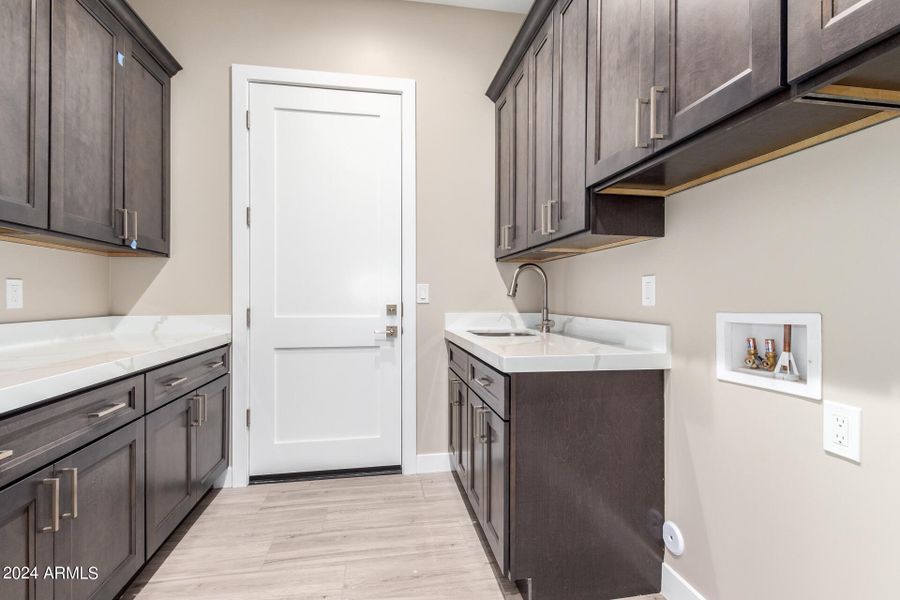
{"type": "Point", "coordinates": [513, 6]}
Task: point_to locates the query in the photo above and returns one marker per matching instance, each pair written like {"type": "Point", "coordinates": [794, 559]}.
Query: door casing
{"type": "Point", "coordinates": [242, 76]}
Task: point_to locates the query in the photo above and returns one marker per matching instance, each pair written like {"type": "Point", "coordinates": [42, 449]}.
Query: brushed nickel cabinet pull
{"type": "Point", "coordinates": [195, 412]}
{"type": "Point", "coordinates": [654, 133]}
{"type": "Point", "coordinates": [4, 454]}
{"type": "Point", "coordinates": [483, 438]}
{"type": "Point", "coordinates": [73, 472]}
{"type": "Point", "coordinates": [124, 212]}
{"type": "Point", "coordinates": [484, 382]}
{"type": "Point", "coordinates": [454, 385]}
{"type": "Point", "coordinates": [53, 482]}
{"type": "Point", "coordinates": [134, 234]}
{"type": "Point", "coordinates": [550, 228]}
{"type": "Point", "coordinates": [216, 365]}
{"type": "Point", "coordinates": [637, 122]}
{"type": "Point", "coordinates": [108, 410]}
{"type": "Point", "coordinates": [204, 408]}
{"type": "Point", "coordinates": [174, 382]}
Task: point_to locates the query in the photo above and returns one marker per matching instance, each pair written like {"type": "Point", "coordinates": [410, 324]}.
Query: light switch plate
{"type": "Point", "coordinates": [15, 292]}
{"type": "Point", "coordinates": [841, 429]}
{"type": "Point", "coordinates": [648, 290]}
{"type": "Point", "coordinates": [422, 293]}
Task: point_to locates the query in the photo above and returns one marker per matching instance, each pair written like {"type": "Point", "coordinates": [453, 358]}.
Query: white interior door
{"type": "Point", "coordinates": [325, 262]}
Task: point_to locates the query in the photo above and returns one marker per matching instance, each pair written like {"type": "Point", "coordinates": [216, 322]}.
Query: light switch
{"type": "Point", "coordinates": [422, 293]}
{"type": "Point", "coordinates": [648, 290]}
{"type": "Point", "coordinates": [841, 427]}
{"type": "Point", "coordinates": [15, 290]}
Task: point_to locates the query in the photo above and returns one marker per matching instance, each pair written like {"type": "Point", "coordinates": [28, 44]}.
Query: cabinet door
{"type": "Point", "coordinates": [453, 420]}
{"type": "Point", "coordinates": [170, 468]}
{"type": "Point", "coordinates": [512, 165]}
{"type": "Point", "coordinates": [25, 510]}
{"type": "Point", "coordinates": [570, 82]}
{"type": "Point", "coordinates": [541, 190]}
{"type": "Point", "coordinates": [476, 454]}
{"type": "Point", "coordinates": [24, 119]}
{"type": "Point", "coordinates": [464, 461]}
{"type": "Point", "coordinates": [146, 145]}
{"type": "Point", "coordinates": [823, 31]}
{"type": "Point", "coordinates": [102, 504]}
{"type": "Point", "coordinates": [212, 434]}
{"type": "Point", "coordinates": [620, 73]}
{"type": "Point", "coordinates": [495, 519]}
{"type": "Point", "coordinates": [504, 119]}
{"type": "Point", "coordinates": [86, 121]}
{"type": "Point", "coordinates": [712, 59]}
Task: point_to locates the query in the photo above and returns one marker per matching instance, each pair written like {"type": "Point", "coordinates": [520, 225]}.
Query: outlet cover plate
{"type": "Point", "coordinates": [15, 291]}
{"type": "Point", "coordinates": [648, 290]}
{"type": "Point", "coordinates": [841, 430]}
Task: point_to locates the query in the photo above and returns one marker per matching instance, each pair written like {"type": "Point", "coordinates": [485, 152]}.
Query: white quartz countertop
{"type": "Point", "coordinates": [45, 359]}
{"type": "Point", "coordinates": [574, 344]}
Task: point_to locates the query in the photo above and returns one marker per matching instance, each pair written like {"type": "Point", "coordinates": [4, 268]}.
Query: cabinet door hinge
{"type": "Point", "coordinates": [248, 216]}
{"type": "Point", "coordinates": [248, 418]}
{"type": "Point", "coordinates": [248, 316]}
{"type": "Point", "coordinates": [248, 120]}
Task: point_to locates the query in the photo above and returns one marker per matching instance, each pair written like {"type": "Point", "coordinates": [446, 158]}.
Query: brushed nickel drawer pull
{"type": "Point", "coordinates": [216, 365]}
{"type": "Point", "coordinates": [204, 408]}
{"type": "Point", "coordinates": [637, 122]}
{"type": "Point", "coordinates": [483, 438]}
{"type": "Point", "coordinates": [194, 409]}
{"type": "Point", "coordinates": [108, 410]}
{"type": "Point", "coordinates": [4, 454]}
{"type": "Point", "coordinates": [550, 228]}
{"type": "Point", "coordinates": [175, 382]}
{"type": "Point", "coordinates": [53, 482]}
{"type": "Point", "coordinates": [484, 382]}
{"type": "Point", "coordinates": [654, 133]}
{"type": "Point", "coordinates": [74, 473]}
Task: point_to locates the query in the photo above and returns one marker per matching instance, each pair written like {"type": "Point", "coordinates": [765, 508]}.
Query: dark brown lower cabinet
{"type": "Point", "coordinates": [24, 513]}
{"type": "Point", "coordinates": [455, 406]}
{"type": "Point", "coordinates": [565, 477]}
{"type": "Point", "coordinates": [186, 451]}
{"type": "Point", "coordinates": [101, 516]}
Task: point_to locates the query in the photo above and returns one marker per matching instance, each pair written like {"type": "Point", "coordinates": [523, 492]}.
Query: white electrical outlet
{"type": "Point", "coordinates": [841, 427]}
{"type": "Point", "coordinates": [423, 293]}
{"type": "Point", "coordinates": [648, 290]}
{"type": "Point", "coordinates": [15, 293]}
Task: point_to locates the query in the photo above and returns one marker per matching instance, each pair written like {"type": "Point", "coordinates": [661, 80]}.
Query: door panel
{"type": "Point", "coordinates": [620, 73]}
{"type": "Point", "coordinates": [170, 468]}
{"type": "Point", "coordinates": [541, 177]}
{"type": "Point", "coordinates": [520, 174]}
{"type": "Point", "coordinates": [496, 486]}
{"type": "Point", "coordinates": [24, 96]}
{"type": "Point", "coordinates": [212, 434]}
{"type": "Point", "coordinates": [86, 121]}
{"type": "Point", "coordinates": [464, 466]}
{"type": "Point", "coordinates": [325, 191]}
{"type": "Point", "coordinates": [453, 420]}
{"type": "Point", "coordinates": [476, 488]}
{"type": "Point", "coordinates": [712, 59]}
{"type": "Point", "coordinates": [571, 21]}
{"type": "Point", "coordinates": [25, 509]}
{"type": "Point", "coordinates": [146, 144]}
{"type": "Point", "coordinates": [823, 31]}
{"type": "Point", "coordinates": [107, 530]}
{"type": "Point", "coordinates": [504, 143]}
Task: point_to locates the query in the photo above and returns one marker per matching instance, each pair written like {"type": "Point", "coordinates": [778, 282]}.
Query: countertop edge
{"type": "Point", "coordinates": [46, 389]}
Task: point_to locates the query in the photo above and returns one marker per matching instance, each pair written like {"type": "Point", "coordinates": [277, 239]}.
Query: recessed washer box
{"type": "Point", "coordinates": [732, 331]}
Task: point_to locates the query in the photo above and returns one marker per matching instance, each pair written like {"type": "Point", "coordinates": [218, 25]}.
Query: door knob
{"type": "Point", "coordinates": [389, 331]}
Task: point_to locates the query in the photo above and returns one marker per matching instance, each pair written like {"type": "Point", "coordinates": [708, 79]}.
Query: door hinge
{"type": "Point", "coordinates": [248, 120]}
{"type": "Point", "coordinates": [248, 316]}
{"type": "Point", "coordinates": [248, 418]}
{"type": "Point", "coordinates": [248, 216]}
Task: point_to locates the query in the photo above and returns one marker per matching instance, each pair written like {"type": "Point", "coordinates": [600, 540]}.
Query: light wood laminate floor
{"type": "Point", "coordinates": [367, 538]}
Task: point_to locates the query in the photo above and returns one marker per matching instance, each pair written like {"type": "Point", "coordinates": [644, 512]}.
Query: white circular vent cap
{"type": "Point", "coordinates": [672, 538]}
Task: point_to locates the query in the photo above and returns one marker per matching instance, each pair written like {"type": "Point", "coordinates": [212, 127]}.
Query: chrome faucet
{"type": "Point", "coordinates": [546, 323]}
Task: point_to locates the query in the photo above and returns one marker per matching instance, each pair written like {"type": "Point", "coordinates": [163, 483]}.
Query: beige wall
{"type": "Point", "coordinates": [452, 54]}
{"type": "Point", "coordinates": [58, 284]}
{"type": "Point", "coordinates": [765, 512]}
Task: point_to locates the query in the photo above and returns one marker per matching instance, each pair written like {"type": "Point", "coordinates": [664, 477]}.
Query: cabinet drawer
{"type": "Point", "coordinates": [491, 386]}
{"type": "Point", "coordinates": [458, 359]}
{"type": "Point", "coordinates": [39, 436]}
{"type": "Point", "coordinates": [169, 382]}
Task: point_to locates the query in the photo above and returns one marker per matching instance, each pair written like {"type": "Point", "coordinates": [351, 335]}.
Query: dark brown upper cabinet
{"type": "Point", "coordinates": [823, 31]}
{"type": "Point", "coordinates": [512, 165]}
{"type": "Point", "coordinates": [25, 102]}
{"type": "Point", "coordinates": [541, 194]}
{"type": "Point", "coordinates": [93, 172]}
{"type": "Point", "coordinates": [711, 60]}
{"type": "Point", "coordinates": [88, 45]}
{"type": "Point", "coordinates": [619, 78]}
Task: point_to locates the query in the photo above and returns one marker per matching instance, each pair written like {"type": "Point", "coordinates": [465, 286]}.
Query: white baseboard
{"type": "Point", "coordinates": [433, 463]}
{"type": "Point", "coordinates": [674, 586]}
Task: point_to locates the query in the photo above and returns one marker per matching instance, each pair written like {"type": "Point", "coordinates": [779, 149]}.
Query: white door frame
{"type": "Point", "coordinates": [241, 78]}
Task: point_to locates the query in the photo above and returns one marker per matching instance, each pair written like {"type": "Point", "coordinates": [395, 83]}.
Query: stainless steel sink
{"type": "Point", "coordinates": [497, 333]}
